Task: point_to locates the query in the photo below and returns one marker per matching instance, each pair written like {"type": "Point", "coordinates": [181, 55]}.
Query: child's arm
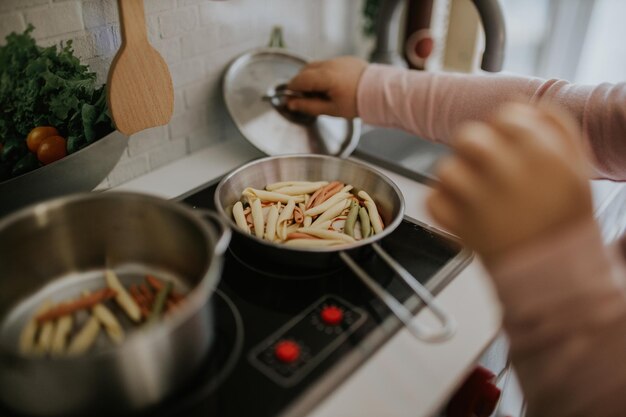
{"type": "Point", "coordinates": [565, 314]}
{"type": "Point", "coordinates": [516, 192]}
{"type": "Point", "coordinates": [433, 105]}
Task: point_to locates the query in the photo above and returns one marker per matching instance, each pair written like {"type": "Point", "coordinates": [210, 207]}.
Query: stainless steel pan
{"type": "Point", "coordinates": [54, 250]}
{"type": "Point", "coordinates": [390, 203]}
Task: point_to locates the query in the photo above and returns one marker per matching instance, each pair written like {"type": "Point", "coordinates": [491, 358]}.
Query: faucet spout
{"type": "Point", "coordinates": [495, 34]}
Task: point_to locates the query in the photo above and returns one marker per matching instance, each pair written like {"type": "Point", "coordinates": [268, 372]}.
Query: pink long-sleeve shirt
{"type": "Point", "coordinates": [564, 297]}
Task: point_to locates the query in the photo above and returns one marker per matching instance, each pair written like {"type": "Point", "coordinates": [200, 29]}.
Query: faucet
{"type": "Point", "coordinates": [388, 28]}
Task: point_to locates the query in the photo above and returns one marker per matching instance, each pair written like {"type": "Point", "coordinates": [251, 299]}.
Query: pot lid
{"type": "Point", "coordinates": [255, 95]}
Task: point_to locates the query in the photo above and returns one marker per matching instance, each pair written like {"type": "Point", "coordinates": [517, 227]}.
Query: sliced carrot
{"type": "Point", "coordinates": [138, 296]}
{"type": "Point", "coordinates": [156, 285]}
{"type": "Point", "coordinates": [319, 194]}
{"type": "Point", "coordinates": [298, 215]}
{"type": "Point", "coordinates": [328, 194]}
{"type": "Point", "coordinates": [149, 295]}
{"type": "Point", "coordinates": [140, 300]}
{"type": "Point", "coordinates": [82, 303]}
{"type": "Point", "coordinates": [313, 197]}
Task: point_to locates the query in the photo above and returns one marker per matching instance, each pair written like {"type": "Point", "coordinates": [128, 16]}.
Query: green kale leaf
{"type": "Point", "coordinates": [46, 87]}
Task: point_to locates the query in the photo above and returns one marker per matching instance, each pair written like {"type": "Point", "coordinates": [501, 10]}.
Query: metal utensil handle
{"type": "Point", "coordinates": [276, 38]}
{"type": "Point", "coordinates": [224, 232]}
{"type": "Point", "coordinates": [419, 331]}
{"type": "Point", "coordinates": [448, 324]}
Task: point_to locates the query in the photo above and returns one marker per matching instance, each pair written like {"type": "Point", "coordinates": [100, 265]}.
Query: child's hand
{"type": "Point", "coordinates": [337, 78]}
{"type": "Point", "coordinates": [516, 179]}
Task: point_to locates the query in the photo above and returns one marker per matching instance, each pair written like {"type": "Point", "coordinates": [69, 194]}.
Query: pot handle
{"type": "Point", "coordinates": [224, 232]}
{"type": "Point", "coordinates": [421, 332]}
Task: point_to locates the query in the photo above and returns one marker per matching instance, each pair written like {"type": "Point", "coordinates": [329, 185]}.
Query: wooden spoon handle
{"type": "Point", "coordinates": [133, 21]}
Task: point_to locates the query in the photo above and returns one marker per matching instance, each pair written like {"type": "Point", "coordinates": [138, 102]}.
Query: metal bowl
{"type": "Point", "coordinates": [79, 172]}
{"type": "Point", "coordinates": [54, 250]}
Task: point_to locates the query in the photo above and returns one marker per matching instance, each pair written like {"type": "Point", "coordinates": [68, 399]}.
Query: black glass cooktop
{"type": "Point", "coordinates": [283, 343]}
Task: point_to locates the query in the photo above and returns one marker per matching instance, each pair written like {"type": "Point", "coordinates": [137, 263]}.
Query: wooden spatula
{"type": "Point", "coordinates": [140, 90]}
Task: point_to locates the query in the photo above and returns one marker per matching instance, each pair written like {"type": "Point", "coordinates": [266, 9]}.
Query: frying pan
{"type": "Point", "coordinates": [259, 173]}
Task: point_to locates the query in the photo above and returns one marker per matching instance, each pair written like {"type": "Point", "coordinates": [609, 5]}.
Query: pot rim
{"type": "Point", "coordinates": [348, 247]}
{"type": "Point", "coordinates": [195, 300]}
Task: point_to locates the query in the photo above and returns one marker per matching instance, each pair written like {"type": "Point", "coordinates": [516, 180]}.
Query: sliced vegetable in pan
{"type": "Point", "coordinates": [73, 327]}
{"type": "Point", "coordinates": [309, 214]}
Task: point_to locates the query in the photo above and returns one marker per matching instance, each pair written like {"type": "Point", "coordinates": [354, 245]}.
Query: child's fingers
{"type": "Point", "coordinates": [314, 64]}
{"type": "Point", "coordinates": [526, 129]}
{"type": "Point", "coordinates": [571, 136]}
{"type": "Point", "coordinates": [444, 210]}
{"type": "Point", "coordinates": [310, 80]}
{"type": "Point", "coordinates": [459, 180]}
{"type": "Point", "coordinates": [561, 119]}
{"type": "Point", "coordinates": [313, 106]}
{"type": "Point", "coordinates": [482, 147]}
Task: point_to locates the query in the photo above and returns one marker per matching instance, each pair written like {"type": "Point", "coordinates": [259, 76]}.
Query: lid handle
{"type": "Point", "coordinates": [276, 38]}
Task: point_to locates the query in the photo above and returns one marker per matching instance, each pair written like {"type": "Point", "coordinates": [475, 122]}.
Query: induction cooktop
{"type": "Point", "coordinates": [285, 340]}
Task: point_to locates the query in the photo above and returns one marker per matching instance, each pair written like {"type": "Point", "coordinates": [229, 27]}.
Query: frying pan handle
{"type": "Point", "coordinates": [224, 232]}
{"type": "Point", "coordinates": [421, 332]}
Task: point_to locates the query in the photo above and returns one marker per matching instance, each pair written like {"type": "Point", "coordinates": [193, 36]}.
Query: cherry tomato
{"type": "Point", "coordinates": [37, 135]}
{"type": "Point", "coordinates": [51, 149]}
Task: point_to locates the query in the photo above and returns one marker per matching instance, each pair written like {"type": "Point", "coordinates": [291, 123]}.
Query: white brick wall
{"type": "Point", "coordinates": [197, 38]}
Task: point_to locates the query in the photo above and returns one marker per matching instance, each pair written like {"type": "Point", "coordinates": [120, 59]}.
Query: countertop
{"type": "Point", "coordinates": [405, 377]}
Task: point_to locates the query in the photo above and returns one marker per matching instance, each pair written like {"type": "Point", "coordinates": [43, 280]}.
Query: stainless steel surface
{"type": "Point", "coordinates": [79, 172]}
{"type": "Point", "coordinates": [421, 332]}
{"type": "Point", "coordinates": [390, 202]}
{"type": "Point", "coordinates": [285, 92]}
{"type": "Point", "coordinates": [56, 249]}
{"type": "Point", "coordinates": [388, 29]}
{"type": "Point", "coordinates": [401, 152]}
{"type": "Point", "coordinates": [269, 125]}
{"type": "Point", "coordinates": [426, 333]}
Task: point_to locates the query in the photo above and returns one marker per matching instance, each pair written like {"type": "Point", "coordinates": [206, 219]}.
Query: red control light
{"type": "Point", "coordinates": [332, 315]}
{"type": "Point", "coordinates": [287, 351]}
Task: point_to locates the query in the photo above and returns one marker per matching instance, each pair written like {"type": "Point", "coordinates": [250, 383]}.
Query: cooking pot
{"type": "Point", "coordinates": [57, 249]}
{"type": "Point", "coordinates": [384, 192]}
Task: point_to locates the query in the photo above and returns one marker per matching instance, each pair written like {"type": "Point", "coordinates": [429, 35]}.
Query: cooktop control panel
{"type": "Point", "coordinates": [296, 348]}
